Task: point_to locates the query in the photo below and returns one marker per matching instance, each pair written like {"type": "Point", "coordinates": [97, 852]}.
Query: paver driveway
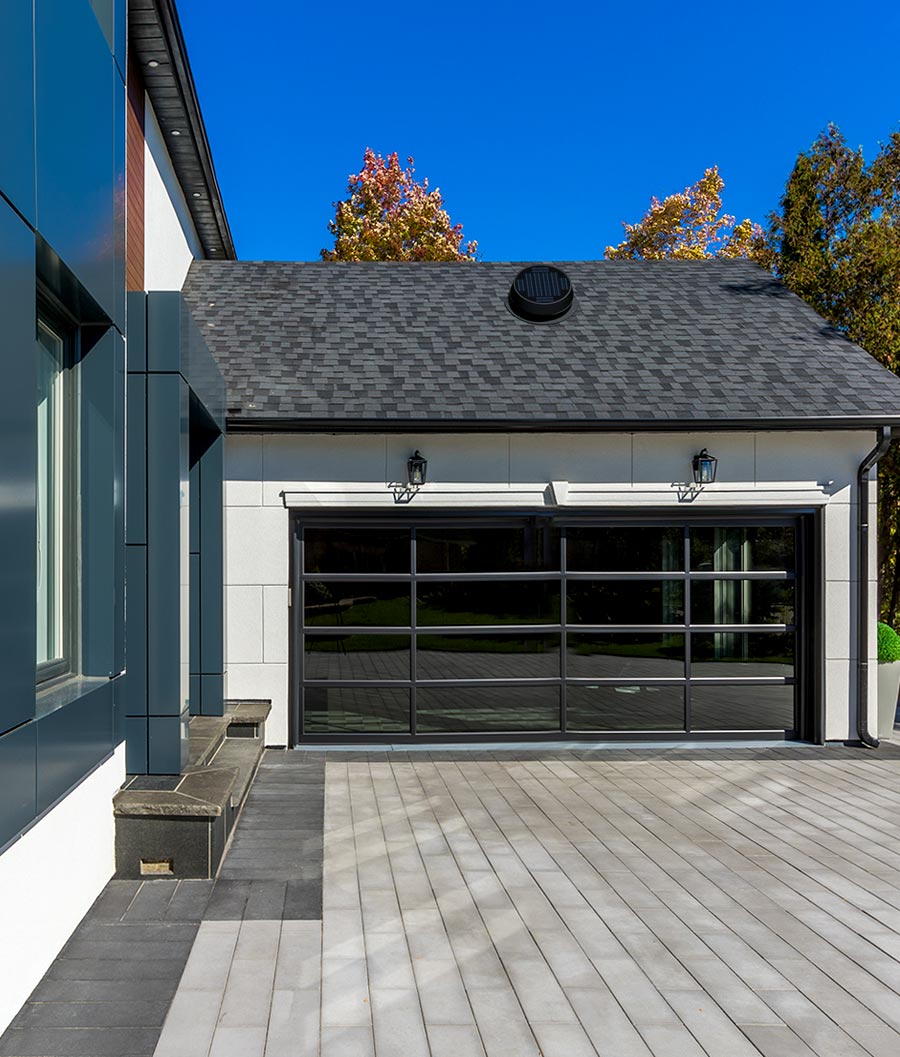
{"type": "Point", "coordinates": [623, 903]}
{"type": "Point", "coordinates": [617, 903]}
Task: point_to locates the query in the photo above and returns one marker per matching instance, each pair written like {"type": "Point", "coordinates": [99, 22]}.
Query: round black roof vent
{"type": "Point", "coordinates": [540, 293]}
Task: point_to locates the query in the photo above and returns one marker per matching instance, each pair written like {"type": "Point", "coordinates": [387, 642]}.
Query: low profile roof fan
{"type": "Point", "coordinates": [540, 294]}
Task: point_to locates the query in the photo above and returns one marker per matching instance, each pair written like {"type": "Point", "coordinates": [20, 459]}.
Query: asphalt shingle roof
{"type": "Point", "coordinates": [645, 342]}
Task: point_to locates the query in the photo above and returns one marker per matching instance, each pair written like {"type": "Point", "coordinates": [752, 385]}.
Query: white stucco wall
{"type": "Point", "coordinates": [50, 877]}
{"type": "Point", "coordinates": [756, 471]}
{"type": "Point", "coordinates": [170, 241]}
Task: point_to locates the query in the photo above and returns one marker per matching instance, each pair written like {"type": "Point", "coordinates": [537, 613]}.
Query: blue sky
{"type": "Point", "coordinates": [545, 125]}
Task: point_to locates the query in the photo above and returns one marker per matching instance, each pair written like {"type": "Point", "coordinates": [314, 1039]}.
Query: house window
{"type": "Point", "coordinates": [56, 512]}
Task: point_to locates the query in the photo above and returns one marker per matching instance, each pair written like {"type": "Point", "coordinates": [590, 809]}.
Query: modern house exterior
{"type": "Point", "coordinates": [106, 186]}
{"type": "Point", "coordinates": [400, 502]}
{"type": "Point", "coordinates": [560, 573]}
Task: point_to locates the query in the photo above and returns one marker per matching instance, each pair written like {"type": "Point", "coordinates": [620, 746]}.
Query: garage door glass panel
{"type": "Point", "coordinates": [760, 548]}
{"type": "Point", "coordinates": [356, 550]}
{"type": "Point", "coordinates": [366, 603]}
{"type": "Point", "coordinates": [738, 707]}
{"type": "Point", "coordinates": [742, 602]}
{"type": "Point", "coordinates": [547, 623]}
{"type": "Point", "coordinates": [487, 656]}
{"type": "Point", "coordinates": [743, 654]}
{"type": "Point", "coordinates": [445, 710]}
{"type": "Point", "coordinates": [625, 602]}
{"type": "Point", "coordinates": [625, 549]}
{"type": "Point", "coordinates": [355, 710]}
{"type": "Point", "coordinates": [621, 655]}
{"type": "Point", "coordinates": [356, 657]}
{"type": "Point", "coordinates": [483, 602]}
{"type": "Point", "coordinates": [619, 708]}
{"type": "Point", "coordinates": [533, 547]}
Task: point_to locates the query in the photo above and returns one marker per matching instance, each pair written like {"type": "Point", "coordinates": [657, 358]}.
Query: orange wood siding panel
{"type": "Point", "coordinates": [134, 180]}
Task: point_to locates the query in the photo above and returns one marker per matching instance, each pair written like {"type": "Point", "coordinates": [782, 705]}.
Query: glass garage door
{"type": "Point", "coordinates": [538, 626]}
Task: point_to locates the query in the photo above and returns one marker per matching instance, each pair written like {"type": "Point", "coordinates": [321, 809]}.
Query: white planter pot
{"type": "Point", "coordinates": [888, 691]}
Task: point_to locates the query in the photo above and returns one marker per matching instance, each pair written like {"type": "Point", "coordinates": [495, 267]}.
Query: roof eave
{"type": "Point", "coordinates": [173, 95]}
{"type": "Point", "coordinates": [288, 424]}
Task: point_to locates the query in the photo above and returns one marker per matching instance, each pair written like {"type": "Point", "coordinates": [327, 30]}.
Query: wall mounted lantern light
{"type": "Point", "coordinates": [416, 466]}
{"type": "Point", "coordinates": [704, 467]}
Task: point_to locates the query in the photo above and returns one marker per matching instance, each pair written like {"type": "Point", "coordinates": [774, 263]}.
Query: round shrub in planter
{"type": "Point", "coordinates": [888, 678]}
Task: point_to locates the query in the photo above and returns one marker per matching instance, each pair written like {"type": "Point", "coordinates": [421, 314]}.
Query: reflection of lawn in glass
{"type": "Point", "coordinates": [428, 617]}
{"type": "Point", "coordinates": [636, 649]}
{"type": "Point", "coordinates": [388, 612]}
{"type": "Point", "coordinates": [462, 644]}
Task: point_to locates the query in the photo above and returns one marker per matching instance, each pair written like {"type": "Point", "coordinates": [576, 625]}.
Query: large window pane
{"type": "Point", "coordinates": [599, 708]}
{"type": "Point", "coordinates": [758, 548]}
{"type": "Point", "coordinates": [742, 602]}
{"type": "Point", "coordinates": [50, 496]}
{"type": "Point", "coordinates": [368, 603]}
{"type": "Point", "coordinates": [503, 548]}
{"type": "Point", "coordinates": [467, 602]}
{"type": "Point", "coordinates": [355, 710]}
{"type": "Point", "coordinates": [356, 550]}
{"type": "Point", "coordinates": [356, 657]}
{"type": "Point", "coordinates": [487, 708]}
{"type": "Point", "coordinates": [487, 656]}
{"type": "Point", "coordinates": [624, 655]}
{"type": "Point", "coordinates": [742, 654]}
{"type": "Point", "coordinates": [625, 602]}
{"type": "Point", "coordinates": [742, 707]}
{"type": "Point", "coordinates": [624, 549]}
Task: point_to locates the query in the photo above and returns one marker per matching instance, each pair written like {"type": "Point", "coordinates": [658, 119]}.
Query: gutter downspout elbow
{"type": "Point", "coordinates": [863, 482]}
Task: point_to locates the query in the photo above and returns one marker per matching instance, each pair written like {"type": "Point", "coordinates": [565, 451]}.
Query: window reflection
{"type": "Point", "coordinates": [467, 602]}
{"type": "Point", "coordinates": [742, 602]}
{"type": "Point", "coordinates": [625, 549]}
{"type": "Point", "coordinates": [366, 603]}
{"type": "Point", "coordinates": [748, 549]}
{"type": "Point", "coordinates": [487, 656]}
{"type": "Point", "coordinates": [533, 546]}
{"type": "Point", "coordinates": [625, 602]}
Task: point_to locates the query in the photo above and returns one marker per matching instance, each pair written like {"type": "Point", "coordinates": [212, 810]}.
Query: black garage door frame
{"type": "Point", "coordinates": [809, 595]}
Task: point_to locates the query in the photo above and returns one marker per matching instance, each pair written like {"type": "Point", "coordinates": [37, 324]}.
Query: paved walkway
{"type": "Point", "coordinates": [726, 903]}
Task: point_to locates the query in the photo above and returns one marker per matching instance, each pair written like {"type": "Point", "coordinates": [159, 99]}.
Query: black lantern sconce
{"type": "Point", "coordinates": [416, 466]}
{"type": "Point", "coordinates": [704, 467]}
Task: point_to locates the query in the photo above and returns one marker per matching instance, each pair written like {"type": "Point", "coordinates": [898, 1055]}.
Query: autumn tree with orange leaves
{"type": "Point", "coordinates": [689, 226]}
{"type": "Point", "coordinates": [389, 216]}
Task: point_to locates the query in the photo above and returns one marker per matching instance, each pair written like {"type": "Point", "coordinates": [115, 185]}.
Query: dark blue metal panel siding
{"type": "Point", "coordinates": [111, 16]}
{"type": "Point", "coordinates": [164, 352]}
{"type": "Point", "coordinates": [136, 439]}
{"type": "Point", "coordinates": [75, 83]}
{"type": "Point", "coordinates": [100, 440]}
{"type": "Point", "coordinates": [18, 423]}
{"type": "Point", "coordinates": [136, 310]}
{"type": "Point", "coordinates": [18, 768]}
{"type": "Point", "coordinates": [136, 621]}
{"type": "Point", "coordinates": [168, 744]}
{"type": "Point", "coordinates": [17, 110]}
{"type": "Point", "coordinates": [167, 543]}
{"type": "Point", "coordinates": [72, 741]}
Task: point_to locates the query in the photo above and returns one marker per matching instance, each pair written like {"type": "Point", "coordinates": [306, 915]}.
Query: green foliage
{"type": "Point", "coordinates": [888, 644]}
{"type": "Point", "coordinates": [835, 241]}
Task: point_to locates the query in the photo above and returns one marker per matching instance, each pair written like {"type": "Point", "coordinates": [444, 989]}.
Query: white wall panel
{"type": "Point", "coordinates": [243, 471]}
{"type": "Point", "coordinates": [812, 457]}
{"type": "Point", "coordinates": [170, 241]}
{"type": "Point", "coordinates": [50, 877]}
{"type": "Point", "coordinates": [244, 624]}
{"type": "Point", "coordinates": [574, 457]}
{"type": "Point", "coordinates": [256, 548]}
{"type": "Point", "coordinates": [275, 625]}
